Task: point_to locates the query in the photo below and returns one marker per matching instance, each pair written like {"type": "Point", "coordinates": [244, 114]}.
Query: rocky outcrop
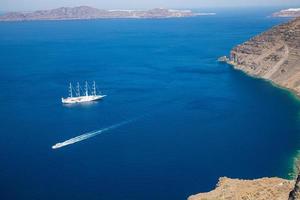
{"type": "Point", "coordinates": [259, 189]}
{"type": "Point", "coordinates": [291, 12]}
{"type": "Point", "coordinates": [273, 55]}
{"type": "Point", "coordinates": [86, 12]}
{"type": "Point", "coordinates": [295, 193]}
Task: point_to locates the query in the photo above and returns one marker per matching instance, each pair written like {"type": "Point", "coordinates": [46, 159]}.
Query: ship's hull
{"type": "Point", "coordinates": [81, 99]}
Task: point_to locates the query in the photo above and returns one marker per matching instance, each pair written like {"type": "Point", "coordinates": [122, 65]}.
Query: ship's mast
{"type": "Point", "coordinates": [94, 88]}
{"type": "Point", "coordinates": [70, 90]}
{"type": "Point", "coordinates": [78, 89]}
{"type": "Point", "coordinates": [86, 89]}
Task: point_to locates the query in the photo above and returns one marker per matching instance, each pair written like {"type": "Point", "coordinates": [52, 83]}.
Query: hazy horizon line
{"type": "Point", "coordinates": [149, 8]}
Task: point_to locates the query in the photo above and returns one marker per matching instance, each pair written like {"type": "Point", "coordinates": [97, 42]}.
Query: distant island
{"type": "Point", "coordinates": [86, 12]}
{"type": "Point", "coordinates": [291, 12]}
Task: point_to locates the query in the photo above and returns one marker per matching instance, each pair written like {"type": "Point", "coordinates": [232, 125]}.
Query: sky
{"type": "Point", "coordinates": [29, 5]}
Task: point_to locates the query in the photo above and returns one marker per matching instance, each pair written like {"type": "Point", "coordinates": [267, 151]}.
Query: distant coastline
{"type": "Point", "coordinates": [291, 12]}
{"type": "Point", "coordinates": [87, 13]}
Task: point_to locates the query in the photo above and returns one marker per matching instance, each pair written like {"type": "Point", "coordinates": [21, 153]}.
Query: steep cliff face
{"type": "Point", "coordinates": [272, 55]}
{"type": "Point", "coordinates": [295, 193]}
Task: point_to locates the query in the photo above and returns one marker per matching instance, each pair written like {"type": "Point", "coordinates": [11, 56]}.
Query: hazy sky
{"type": "Point", "coordinates": [11, 5]}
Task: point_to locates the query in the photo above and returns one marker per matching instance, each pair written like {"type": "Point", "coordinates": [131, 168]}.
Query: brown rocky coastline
{"type": "Point", "coordinates": [274, 56]}
{"type": "Point", "coordinates": [259, 189]}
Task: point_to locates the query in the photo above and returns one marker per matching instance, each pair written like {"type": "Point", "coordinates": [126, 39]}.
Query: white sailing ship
{"type": "Point", "coordinates": [86, 97]}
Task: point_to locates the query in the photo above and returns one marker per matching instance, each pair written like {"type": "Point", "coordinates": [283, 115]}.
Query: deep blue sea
{"type": "Point", "coordinates": [195, 119]}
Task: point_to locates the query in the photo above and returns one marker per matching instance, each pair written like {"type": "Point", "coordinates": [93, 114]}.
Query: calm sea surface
{"type": "Point", "coordinates": [197, 119]}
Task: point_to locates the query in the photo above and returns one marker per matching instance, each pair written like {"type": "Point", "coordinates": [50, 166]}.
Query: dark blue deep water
{"type": "Point", "coordinates": [200, 119]}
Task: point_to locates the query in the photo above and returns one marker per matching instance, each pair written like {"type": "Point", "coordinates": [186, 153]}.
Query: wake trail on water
{"type": "Point", "coordinates": [89, 135]}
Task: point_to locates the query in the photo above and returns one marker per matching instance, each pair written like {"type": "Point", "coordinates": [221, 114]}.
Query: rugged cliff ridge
{"type": "Point", "coordinates": [86, 12]}
{"type": "Point", "coordinates": [273, 55]}
{"type": "Point", "coordinates": [295, 193]}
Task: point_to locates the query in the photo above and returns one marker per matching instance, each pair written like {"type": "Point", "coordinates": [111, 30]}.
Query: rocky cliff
{"type": "Point", "coordinates": [295, 193]}
{"type": "Point", "coordinates": [273, 55]}
{"type": "Point", "coordinates": [86, 12]}
{"type": "Point", "coordinates": [259, 189]}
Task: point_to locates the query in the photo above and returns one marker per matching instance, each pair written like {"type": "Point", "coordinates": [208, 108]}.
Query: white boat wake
{"type": "Point", "coordinates": [88, 135]}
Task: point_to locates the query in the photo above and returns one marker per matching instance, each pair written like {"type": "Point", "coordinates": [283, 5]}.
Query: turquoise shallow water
{"type": "Point", "coordinates": [199, 119]}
